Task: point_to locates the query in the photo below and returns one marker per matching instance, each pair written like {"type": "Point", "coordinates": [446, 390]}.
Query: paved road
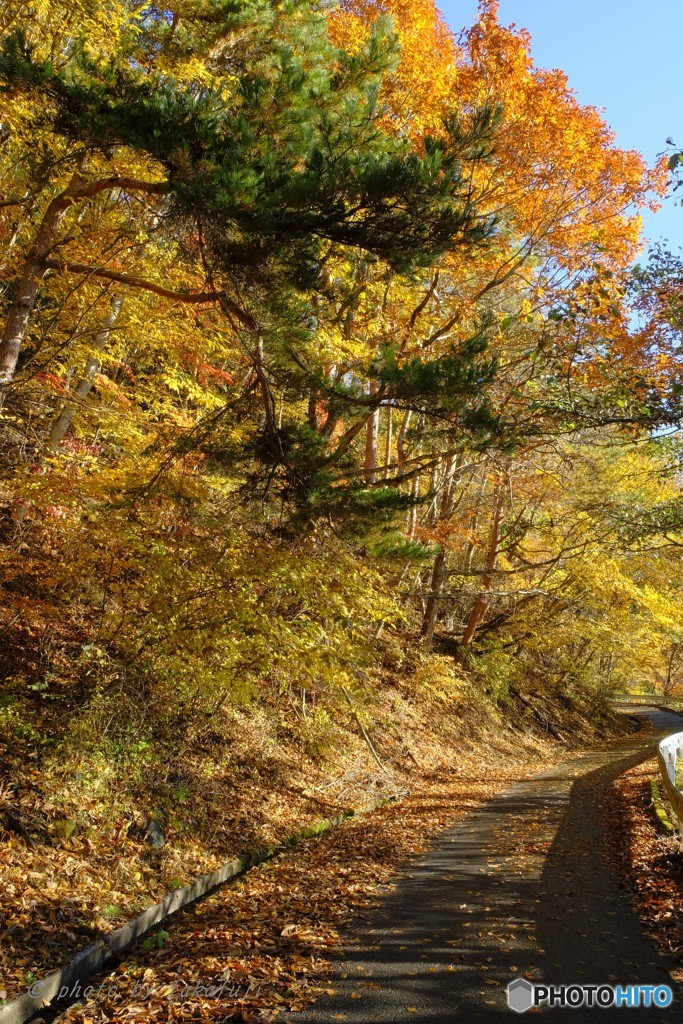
{"type": "Point", "coordinates": [522, 885]}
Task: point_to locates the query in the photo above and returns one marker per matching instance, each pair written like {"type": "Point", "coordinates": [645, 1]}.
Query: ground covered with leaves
{"type": "Point", "coordinates": [649, 862]}
{"type": "Point", "coordinates": [261, 946]}
{"type": "Point", "coordinates": [75, 864]}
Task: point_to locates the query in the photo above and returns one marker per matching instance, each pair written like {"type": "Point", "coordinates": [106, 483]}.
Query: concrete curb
{"type": "Point", "coordinates": [56, 986]}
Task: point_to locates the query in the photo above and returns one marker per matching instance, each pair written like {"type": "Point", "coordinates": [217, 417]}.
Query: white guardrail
{"type": "Point", "coordinates": [649, 699]}
{"type": "Point", "coordinates": [670, 751]}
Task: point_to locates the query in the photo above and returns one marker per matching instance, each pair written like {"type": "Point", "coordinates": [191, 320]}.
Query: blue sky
{"type": "Point", "coordinates": [623, 56]}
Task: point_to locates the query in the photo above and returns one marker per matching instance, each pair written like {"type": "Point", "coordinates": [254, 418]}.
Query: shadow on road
{"type": "Point", "coordinates": [521, 886]}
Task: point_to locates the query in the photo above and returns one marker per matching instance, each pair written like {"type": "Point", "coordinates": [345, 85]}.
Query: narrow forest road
{"type": "Point", "coordinates": [521, 886]}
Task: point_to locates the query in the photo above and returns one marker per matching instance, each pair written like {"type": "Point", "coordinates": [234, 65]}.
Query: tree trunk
{"type": "Point", "coordinates": [25, 289]}
{"type": "Point", "coordinates": [453, 464]}
{"type": "Point", "coordinates": [388, 441]}
{"type": "Point", "coordinates": [669, 684]}
{"type": "Point", "coordinates": [412, 512]}
{"type": "Point", "coordinates": [432, 515]}
{"type": "Point", "coordinates": [432, 610]}
{"type": "Point", "coordinates": [481, 601]}
{"type": "Point", "coordinates": [470, 546]}
{"type": "Point", "coordinates": [269, 424]}
{"type": "Point", "coordinates": [401, 439]}
{"type": "Point", "coordinates": [92, 366]}
{"type": "Point", "coordinates": [371, 435]}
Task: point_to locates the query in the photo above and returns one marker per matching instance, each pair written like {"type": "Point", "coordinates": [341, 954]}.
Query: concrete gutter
{"type": "Point", "coordinates": [55, 988]}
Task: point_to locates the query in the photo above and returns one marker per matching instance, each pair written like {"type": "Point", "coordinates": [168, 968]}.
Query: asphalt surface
{"type": "Point", "coordinates": [522, 886]}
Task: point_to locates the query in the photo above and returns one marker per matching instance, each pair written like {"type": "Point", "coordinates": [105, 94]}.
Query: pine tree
{"type": "Point", "coordinates": [266, 166]}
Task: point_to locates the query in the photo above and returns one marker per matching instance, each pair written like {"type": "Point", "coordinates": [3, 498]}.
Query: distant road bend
{"type": "Point", "coordinates": [520, 886]}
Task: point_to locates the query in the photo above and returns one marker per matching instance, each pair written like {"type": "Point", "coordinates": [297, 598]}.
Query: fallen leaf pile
{"type": "Point", "coordinates": [74, 865]}
{"type": "Point", "coordinates": [262, 944]}
{"type": "Point", "coordinates": [648, 863]}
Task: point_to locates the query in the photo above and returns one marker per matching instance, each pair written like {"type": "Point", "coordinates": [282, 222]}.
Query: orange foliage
{"type": "Point", "coordinates": [564, 196]}
{"type": "Point", "coordinates": [419, 93]}
{"type": "Point", "coordinates": [557, 175]}
{"type": "Point", "coordinates": [557, 182]}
